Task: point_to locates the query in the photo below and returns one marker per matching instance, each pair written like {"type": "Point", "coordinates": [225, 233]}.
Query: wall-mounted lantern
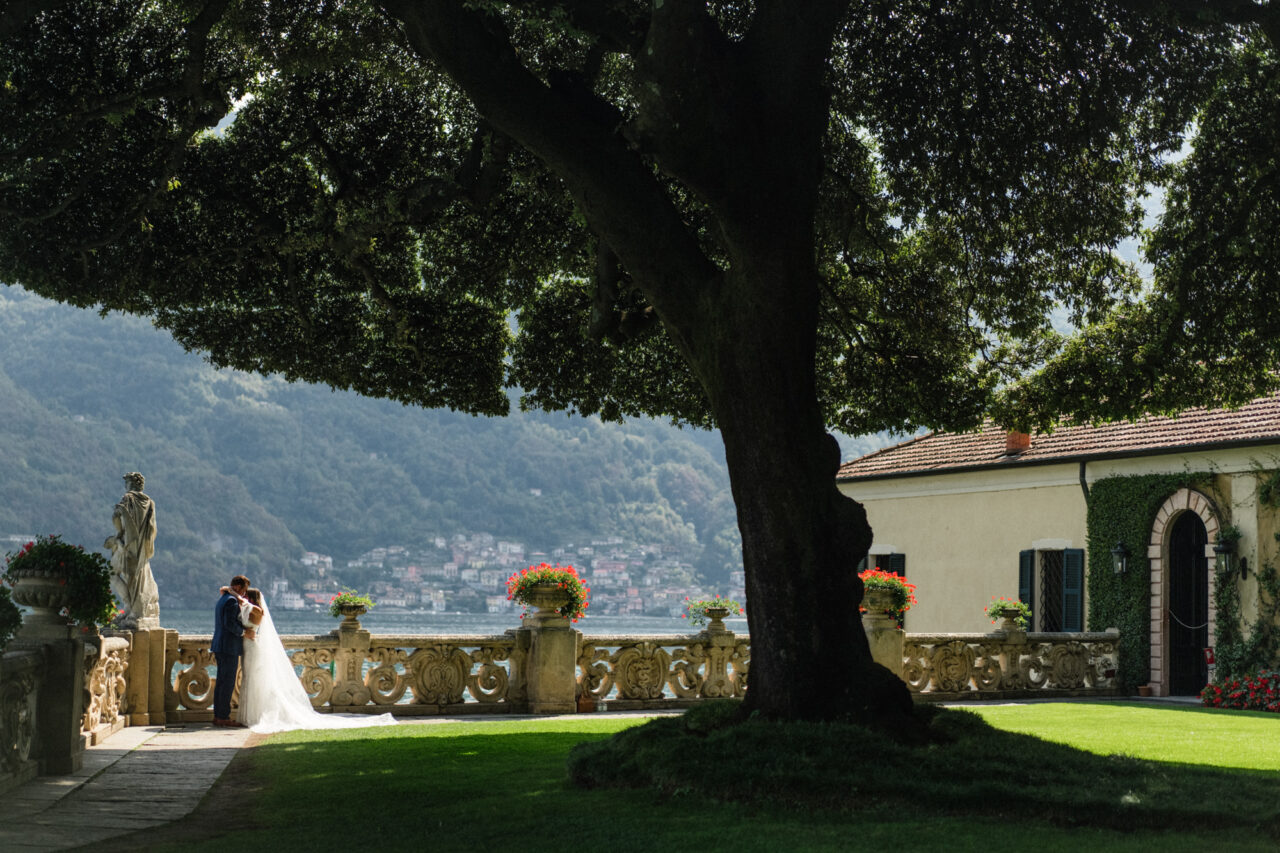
{"type": "Point", "coordinates": [1223, 551]}
{"type": "Point", "coordinates": [1119, 558]}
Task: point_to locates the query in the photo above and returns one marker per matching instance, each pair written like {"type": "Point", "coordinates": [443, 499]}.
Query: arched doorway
{"type": "Point", "coordinates": [1181, 506]}
{"type": "Point", "coordinates": [1188, 605]}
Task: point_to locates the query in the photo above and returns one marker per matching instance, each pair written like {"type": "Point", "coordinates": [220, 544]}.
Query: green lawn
{"type": "Point", "coordinates": [1171, 733]}
{"type": "Point", "coordinates": [503, 785]}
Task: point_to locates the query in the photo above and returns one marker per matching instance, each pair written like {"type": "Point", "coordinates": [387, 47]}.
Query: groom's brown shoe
{"type": "Point", "coordinates": [235, 724]}
{"type": "Point", "coordinates": [218, 722]}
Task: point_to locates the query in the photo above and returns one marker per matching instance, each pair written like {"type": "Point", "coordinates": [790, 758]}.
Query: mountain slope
{"type": "Point", "coordinates": [247, 471]}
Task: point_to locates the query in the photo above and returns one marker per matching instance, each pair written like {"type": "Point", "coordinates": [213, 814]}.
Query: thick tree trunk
{"type": "Point", "coordinates": [801, 539]}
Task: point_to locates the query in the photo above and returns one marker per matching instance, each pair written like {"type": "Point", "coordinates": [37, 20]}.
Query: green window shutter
{"type": "Point", "coordinates": [1027, 580]}
{"type": "Point", "coordinates": [1073, 589]}
{"type": "Point", "coordinates": [898, 564]}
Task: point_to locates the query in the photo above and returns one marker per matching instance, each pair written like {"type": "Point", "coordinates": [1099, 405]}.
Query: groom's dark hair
{"type": "Point", "coordinates": [239, 580]}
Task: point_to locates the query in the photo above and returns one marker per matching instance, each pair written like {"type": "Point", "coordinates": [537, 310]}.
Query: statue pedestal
{"type": "Point", "coordinates": [144, 699]}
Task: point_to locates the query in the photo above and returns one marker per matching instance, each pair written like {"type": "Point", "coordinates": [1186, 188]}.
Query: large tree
{"type": "Point", "coordinates": [776, 217]}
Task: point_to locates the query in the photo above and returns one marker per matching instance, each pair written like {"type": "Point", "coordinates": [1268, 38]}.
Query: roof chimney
{"type": "Point", "coordinates": [1016, 442]}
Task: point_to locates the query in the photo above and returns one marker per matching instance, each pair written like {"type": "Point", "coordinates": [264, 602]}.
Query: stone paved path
{"type": "Point", "coordinates": [141, 777]}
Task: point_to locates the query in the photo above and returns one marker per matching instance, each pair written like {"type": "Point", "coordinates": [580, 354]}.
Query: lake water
{"type": "Point", "coordinates": [399, 622]}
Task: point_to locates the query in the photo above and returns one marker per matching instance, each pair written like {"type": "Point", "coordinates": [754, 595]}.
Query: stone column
{"type": "Point", "coordinates": [348, 671]}
{"type": "Point", "coordinates": [60, 703]}
{"type": "Point", "coordinates": [883, 633]}
{"type": "Point", "coordinates": [146, 677]}
{"type": "Point", "coordinates": [551, 663]}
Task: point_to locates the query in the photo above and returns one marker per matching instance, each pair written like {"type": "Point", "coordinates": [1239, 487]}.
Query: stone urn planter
{"type": "Point", "coordinates": [351, 614]}
{"type": "Point", "coordinates": [546, 599]}
{"type": "Point", "coordinates": [879, 607]}
{"type": "Point", "coordinates": [1008, 620]}
{"type": "Point", "coordinates": [716, 616]}
{"type": "Point", "coordinates": [44, 592]}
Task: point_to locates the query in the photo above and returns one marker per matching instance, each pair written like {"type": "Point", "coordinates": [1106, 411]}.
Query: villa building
{"type": "Point", "coordinates": [1093, 527]}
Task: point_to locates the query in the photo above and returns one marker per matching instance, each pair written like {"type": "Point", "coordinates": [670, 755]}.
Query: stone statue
{"type": "Point", "coordinates": [131, 548]}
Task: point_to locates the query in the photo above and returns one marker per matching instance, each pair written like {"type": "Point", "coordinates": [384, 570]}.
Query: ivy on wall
{"type": "Point", "coordinates": [1122, 509]}
{"type": "Point", "coordinates": [1239, 654]}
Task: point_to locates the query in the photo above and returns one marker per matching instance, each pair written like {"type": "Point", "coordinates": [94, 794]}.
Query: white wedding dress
{"type": "Point", "coordinates": [271, 696]}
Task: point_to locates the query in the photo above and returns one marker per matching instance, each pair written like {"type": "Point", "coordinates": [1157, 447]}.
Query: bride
{"type": "Point", "coordinates": [271, 696]}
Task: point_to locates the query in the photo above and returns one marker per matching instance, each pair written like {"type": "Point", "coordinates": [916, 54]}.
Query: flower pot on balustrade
{"type": "Point", "coordinates": [717, 616]}
{"type": "Point", "coordinates": [1009, 619]}
{"type": "Point", "coordinates": [46, 594]}
{"type": "Point", "coordinates": [351, 614]}
{"type": "Point", "coordinates": [1013, 633]}
{"type": "Point", "coordinates": [546, 599]}
{"type": "Point", "coordinates": [879, 609]}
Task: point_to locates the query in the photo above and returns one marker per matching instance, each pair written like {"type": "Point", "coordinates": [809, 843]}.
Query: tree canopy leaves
{"type": "Point", "coordinates": [360, 223]}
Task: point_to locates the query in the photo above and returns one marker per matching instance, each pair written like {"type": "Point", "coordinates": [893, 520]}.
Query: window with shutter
{"type": "Point", "coordinates": [1051, 583]}
{"type": "Point", "coordinates": [1027, 579]}
{"type": "Point", "coordinates": [1073, 589]}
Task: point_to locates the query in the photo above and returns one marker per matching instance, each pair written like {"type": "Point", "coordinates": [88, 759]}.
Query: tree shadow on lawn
{"type": "Point", "coordinates": [691, 783]}
{"type": "Point", "coordinates": [971, 769]}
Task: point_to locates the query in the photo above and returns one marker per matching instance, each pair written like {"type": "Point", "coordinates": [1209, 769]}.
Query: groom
{"type": "Point", "coordinates": [227, 646]}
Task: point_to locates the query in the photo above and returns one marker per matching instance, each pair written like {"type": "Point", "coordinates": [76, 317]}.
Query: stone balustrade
{"type": "Point", "coordinates": [154, 676]}
{"type": "Point", "coordinates": [634, 673]}
{"type": "Point", "coordinates": [422, 674]}
{"type": "Point", "coordinates": [1010, 664]}
{"type": "Point", "coordinates": [408, 675]}
{"type": "Point", "coordinates": [106, 661]}
{"type": "Point", "coordinates": [21, 676]}
{"type": "Point", "coordinates": [416, 675]}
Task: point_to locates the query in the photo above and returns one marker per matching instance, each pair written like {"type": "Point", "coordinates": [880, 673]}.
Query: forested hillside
{"type": "Point", "coordinates": [248, 472]}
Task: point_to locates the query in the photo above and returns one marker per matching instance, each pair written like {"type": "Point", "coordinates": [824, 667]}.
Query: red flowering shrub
{"type": "Point", "coordinates": [564, 576]}
{"type": "Point", "coordinates": [1259, 692]}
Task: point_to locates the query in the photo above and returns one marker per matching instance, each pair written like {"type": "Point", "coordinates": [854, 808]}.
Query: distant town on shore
{"type": "Point", "coordinates": [468, 574]}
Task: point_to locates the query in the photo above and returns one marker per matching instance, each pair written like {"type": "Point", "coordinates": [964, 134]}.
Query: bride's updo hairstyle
{"type": "Point", "coordinates": [255, 595]}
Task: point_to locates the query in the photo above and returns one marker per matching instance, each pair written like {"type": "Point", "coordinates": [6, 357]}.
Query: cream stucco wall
{"type": "Point", "coordinates": [961, 532]}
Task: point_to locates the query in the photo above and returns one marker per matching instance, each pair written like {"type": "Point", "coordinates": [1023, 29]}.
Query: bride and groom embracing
{"type": "Point", "coordinates": [271, 696]}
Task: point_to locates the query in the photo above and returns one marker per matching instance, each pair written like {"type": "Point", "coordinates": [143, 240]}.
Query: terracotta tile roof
{"type": "Point", "coordinates": [1254, 423]}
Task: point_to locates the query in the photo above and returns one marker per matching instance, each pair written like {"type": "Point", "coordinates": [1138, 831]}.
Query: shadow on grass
{"type": "Point", "coordinates": [973, 769]}
{"type": "Point", "coordinates": [688, 783]}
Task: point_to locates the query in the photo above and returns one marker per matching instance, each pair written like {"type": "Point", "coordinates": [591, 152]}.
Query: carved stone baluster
{"type": "Point", "coordinates": [193, 685]}
{"type": "Point", "coordinates": [489, 683]}
{"type": "Point", "coordinates": [686, 679]}
{"type": "Point", "coordinates": [952, 667]}
{"type": "Point", "coordinates": [640, 670]}
{"type": "Point", "coordinates": [438, 674]}
{"type": "Point", "coordinates": [386, 684]}
{"type": "Point", "coordinates": [316, 678]}
{"type": "Point", "coordinates": [916, 671]}
{"type": "Point", "coordinates": [595, 678]}
{"type": "Point", "coordinates": [739, 666]}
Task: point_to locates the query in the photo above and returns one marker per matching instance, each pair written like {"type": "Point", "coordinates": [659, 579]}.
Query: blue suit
{"type": "Point", "coordinates": [227, 646]}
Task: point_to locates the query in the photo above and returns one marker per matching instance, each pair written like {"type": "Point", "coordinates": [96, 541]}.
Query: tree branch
{"type": "Point", "coordinates": [614, 188]}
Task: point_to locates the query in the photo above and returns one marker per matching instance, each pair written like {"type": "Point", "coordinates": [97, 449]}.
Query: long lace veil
{"type": "Point", "coordinates": [277, 700]}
